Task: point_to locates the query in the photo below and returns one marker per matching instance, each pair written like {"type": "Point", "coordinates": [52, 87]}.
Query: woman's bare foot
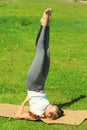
{"type": "Point", "coordinates": [46, 18]}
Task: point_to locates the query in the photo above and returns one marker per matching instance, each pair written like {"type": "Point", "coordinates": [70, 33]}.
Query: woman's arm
{"type": "Point", "coordinates": [20, 114]}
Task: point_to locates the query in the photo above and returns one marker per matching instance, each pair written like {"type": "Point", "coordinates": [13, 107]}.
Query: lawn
{"type": "Point", "coordinates": [67, 80]}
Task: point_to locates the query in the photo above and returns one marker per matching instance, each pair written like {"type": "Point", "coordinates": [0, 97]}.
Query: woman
{"type": "Point", "coordinates": [39, 105]}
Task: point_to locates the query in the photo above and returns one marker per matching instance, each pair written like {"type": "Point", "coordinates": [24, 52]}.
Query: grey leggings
{"type": "Point", "coordinates": [39, 69]}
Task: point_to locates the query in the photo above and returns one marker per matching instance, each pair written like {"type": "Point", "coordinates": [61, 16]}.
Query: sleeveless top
{"type": "Point", "coordinates": [38, 102]}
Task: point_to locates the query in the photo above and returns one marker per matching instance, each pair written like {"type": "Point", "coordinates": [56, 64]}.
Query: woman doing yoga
{"type": "Point", "coordinates": [36, 77]}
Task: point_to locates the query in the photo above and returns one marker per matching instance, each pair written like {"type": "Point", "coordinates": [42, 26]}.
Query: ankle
{"type": "Point", "coordinates": [46, 18]}
{"type": "Point", "coordinates": [45, 22]}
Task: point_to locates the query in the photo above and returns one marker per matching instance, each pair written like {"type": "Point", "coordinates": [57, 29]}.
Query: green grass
{"type": "Point", "coordinates": [67, 79]}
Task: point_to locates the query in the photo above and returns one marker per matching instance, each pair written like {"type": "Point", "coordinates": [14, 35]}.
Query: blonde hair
{"type": "Point", "coordinates": [56, 114]}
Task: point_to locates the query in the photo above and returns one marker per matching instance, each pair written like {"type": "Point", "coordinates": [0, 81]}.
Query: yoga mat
{"type": "Point", "coordinates": [71, 117]}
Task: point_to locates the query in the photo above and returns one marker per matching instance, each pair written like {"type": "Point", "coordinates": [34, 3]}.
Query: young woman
{"type": "Point", "coordinates": [39, 105]}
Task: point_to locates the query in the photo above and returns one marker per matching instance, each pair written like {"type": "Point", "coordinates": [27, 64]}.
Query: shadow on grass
{"type": "Point", "coordinates": [66, 104]}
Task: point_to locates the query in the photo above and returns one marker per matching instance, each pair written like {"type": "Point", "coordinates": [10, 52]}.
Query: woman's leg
{"type": "Point", "coordinates": [47, 54]}
{"type": "Point", "coordinates": [39, 69]}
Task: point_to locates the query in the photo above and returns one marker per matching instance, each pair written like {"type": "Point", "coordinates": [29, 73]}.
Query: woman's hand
{"type": "Point", "coordinates": [20, 113]}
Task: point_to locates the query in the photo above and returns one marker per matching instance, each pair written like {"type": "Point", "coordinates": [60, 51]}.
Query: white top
{"type": "Point", "coordinates": [38, 102]}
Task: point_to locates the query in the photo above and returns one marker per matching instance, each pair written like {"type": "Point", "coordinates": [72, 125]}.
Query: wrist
{"type": "Point", "coordinates": [24, 103]}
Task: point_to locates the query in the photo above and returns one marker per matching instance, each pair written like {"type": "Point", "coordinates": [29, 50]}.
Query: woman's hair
{"type": "Point", "coordinates": [58, 113]}
{"type": "Point", "coordinates": [34, 116]}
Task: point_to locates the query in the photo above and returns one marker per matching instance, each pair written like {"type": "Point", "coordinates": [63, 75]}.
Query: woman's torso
{"type": "Point", "coordinates": [38, 102]}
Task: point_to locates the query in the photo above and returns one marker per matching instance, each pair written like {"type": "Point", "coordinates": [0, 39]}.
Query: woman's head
{"type": "Point", "coordinates": [53, 112]}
